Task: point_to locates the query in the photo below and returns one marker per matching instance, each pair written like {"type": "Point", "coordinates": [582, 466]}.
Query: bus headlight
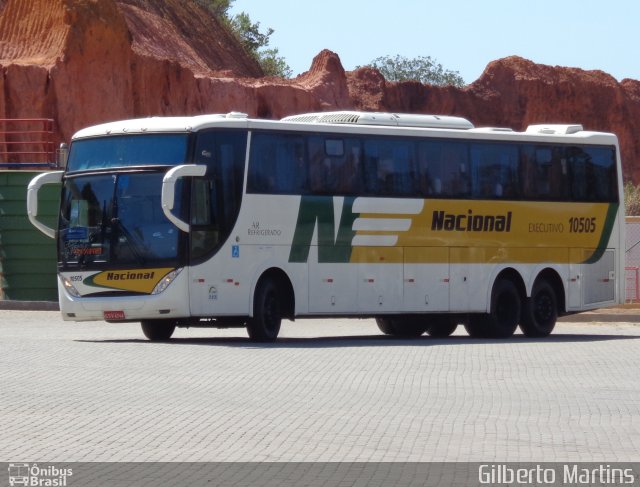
{"type": "Point", "coordinates": [69, 287]}
{"type": "Point", "coordinates": [166, 280]}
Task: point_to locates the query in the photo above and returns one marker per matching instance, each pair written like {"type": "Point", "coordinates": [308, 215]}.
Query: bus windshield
{"type": "Point", "coordinates": [127, 150]}
{"type": "Point", "coordinates": [116, 219]}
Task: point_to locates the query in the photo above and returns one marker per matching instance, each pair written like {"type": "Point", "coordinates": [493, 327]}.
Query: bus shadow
{"type": "Point", "coordinates": [350, 341]}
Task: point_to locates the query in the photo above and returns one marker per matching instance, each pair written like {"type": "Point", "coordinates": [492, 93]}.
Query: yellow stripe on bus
{"type": "Point", "coordinates": [134, 280]}
{"type": "Point", "coordinates": [488, 231]}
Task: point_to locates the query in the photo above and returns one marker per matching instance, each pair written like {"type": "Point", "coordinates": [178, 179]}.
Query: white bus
{"type": "Point", "coordinates": [421, 222]}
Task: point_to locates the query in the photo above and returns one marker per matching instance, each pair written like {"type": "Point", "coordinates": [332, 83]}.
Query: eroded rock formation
{"type": "Point", "coordinates": [88, 61]}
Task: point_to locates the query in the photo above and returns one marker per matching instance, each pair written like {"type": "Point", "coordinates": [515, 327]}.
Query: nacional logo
{"type": "Point", "coordinates": [469, 222]}
{"type": "Point", "coordinates": [133, 280]}
{"type": "Point", "coordinates": [128, 275]}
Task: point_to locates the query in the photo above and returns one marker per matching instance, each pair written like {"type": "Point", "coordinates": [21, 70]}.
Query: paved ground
{"type": "Point", "coordinates": [330, 390]}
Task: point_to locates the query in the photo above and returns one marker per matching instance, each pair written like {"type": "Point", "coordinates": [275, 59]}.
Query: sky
{"type": "Point", "coordinates": [462, 35]}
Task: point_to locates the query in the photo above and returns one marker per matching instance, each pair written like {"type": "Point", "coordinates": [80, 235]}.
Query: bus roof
{"type": "Point", "coordinates": [387, 119]}
{"type": "Point", "coordinates": [367, 122]}
{"type": "Point", "coordinates": [159, 124]}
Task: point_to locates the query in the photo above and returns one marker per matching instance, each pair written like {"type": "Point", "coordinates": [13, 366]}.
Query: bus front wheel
{"type": "Point", "coordinates": [505, 309]}
{"type": "Point", "coordinates": [264, 326]}
{"type": "Point", "coordinates": [504, 317]}
{"type": "Point", "coordinates": [540, 311]}
{"type": "Point", "coordinates": [158, 330]}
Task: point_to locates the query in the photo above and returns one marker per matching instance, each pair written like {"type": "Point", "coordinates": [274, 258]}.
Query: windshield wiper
{"type": "Point", "coordinates": [131, 240]}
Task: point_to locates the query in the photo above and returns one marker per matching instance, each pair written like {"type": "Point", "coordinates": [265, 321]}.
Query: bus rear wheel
{"type": "Point", "coordinates": [441, 326]}
{"type": "Point", "coordinates": [401, 327]}
{"type": "Point", "coordinates": [264, 325]}
{"type": "Point", "coordinates": [476, 326]}
{"type": "Point", "coordinates": [540, 311]}
{"type": "Point", "coordinates": [158, 330]}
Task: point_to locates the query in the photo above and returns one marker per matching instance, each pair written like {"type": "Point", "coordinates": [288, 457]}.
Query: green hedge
{"type": "Point", "coordinates": [27, 257]}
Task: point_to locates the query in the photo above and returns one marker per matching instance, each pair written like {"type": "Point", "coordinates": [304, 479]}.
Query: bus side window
{"type": "Point", "coordinates": [205, 198]}
{"type": "Point", "coordinates": [277, 164]}
{"type": "Point", "coordinates": [261, 165]}
{"type": "Point", "coordinates": [541, 173]}
{"type": "Point", "coordinates": [329, 161]}
{"type": "Point", "coordinates": [545, 176]}
{"type": "Point", "coordinates": [318, 165]}
{"type": "Point", "coordinates": [601, 175]}
{"type": "Point", "coordinates": [351, 179]}
{"type": "Point", "coordinates": [495, 171]}
{"type": "Point", "coordinates": [404, 168]}
{"type": "Point", "coordinates": [349, 168]}
{"type": "Point", "coordinates": [529, 173]}
{"type": "Point", "coordinates": [371, 161]}
{"type": "Point", "coordinates": [579, 177]}
{"type": "Point", "coordinates": [203, 191]}
{"type": "Point", "coordinates": [230, 186]}
{"type": "Point", "coordinates": [430, 167]}
{"type": "Point", "coordinates": [334, 165]}
{"type": "Point", "coordinates": [443, 168]}
{"type": "Point", "coordinates": [557, 175]}
{"type": "Point", "coordinates": [390, 167]}
{"type": "Point", "coordinates": [290, 166]}
{"type": "Point", "coordinates": [456, 173]}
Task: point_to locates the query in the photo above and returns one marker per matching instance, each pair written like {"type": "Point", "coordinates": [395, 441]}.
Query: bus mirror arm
{"type": "Point", "coordinates": [169, 190]}
{"type": "Point", "coordinates": [32, 199]}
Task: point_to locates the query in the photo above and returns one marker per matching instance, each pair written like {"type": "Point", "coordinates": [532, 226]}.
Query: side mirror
{"type": "Point", "coordinates": [62, 155]}
{"type": "Point", "coordinates": [169, 190]}
{"type": "Point", "coordinates": [32, 199]}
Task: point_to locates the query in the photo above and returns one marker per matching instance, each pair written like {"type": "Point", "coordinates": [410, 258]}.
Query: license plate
{"type": "Point", "coordinates": [114, 315]}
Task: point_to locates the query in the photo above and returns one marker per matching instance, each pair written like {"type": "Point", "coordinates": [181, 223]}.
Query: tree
{"type": "Point", "coordinates": [253, 39]}
{"type": "Point", "coordinates": [256, 42]}
{"type": "Point", "coordinates": [273, 64]}
{"type": "Point", "coordinates": [422, 68]}
{"type": "Point", "coordinates": [249, 32]}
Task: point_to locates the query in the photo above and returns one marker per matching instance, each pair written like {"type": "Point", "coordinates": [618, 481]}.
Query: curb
{"type": "Point", "coordinates": [585, 317]}
{"type": "Point", "coordinates": [11, 305]}
{"type": "Point", "coordinates": [591, 317]}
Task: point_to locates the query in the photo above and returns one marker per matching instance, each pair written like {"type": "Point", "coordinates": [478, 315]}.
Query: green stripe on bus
{"type": "Point", "coordinates": [332, 248]}
{"type": "Point", "coordinates": [609, 222]}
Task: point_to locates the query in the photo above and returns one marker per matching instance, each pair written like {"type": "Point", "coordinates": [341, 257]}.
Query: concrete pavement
{"type": "Point", "coordinates": [329, 390]}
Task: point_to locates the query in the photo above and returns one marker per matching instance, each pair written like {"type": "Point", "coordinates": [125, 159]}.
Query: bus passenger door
{"type": "Point", "coordinates": [426, 279]}
{"type": "Point", "coordinates": [217, 271]}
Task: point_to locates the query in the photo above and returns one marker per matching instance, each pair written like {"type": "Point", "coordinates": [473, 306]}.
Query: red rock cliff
{"type": "Point", "coordinates": [514, 92]}
{"type": "Point", "coordinates": [88, 61]}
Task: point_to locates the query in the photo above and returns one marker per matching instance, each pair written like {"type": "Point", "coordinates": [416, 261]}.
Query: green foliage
{"type": "Point", "coordinates": [219, 8]}
{"type": "Point", "coordinates": [253, 39]}
{"type": "Point", "coordinates": [631, 199]}
{"type": "Point", "coordinates": [249, 32]}
{"type": "Point", "coordinates": [422, 68]}
{"type": "Point", "coordinates": [256, 42]}
{"type": "Point", "coordinates": [273, 64]}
